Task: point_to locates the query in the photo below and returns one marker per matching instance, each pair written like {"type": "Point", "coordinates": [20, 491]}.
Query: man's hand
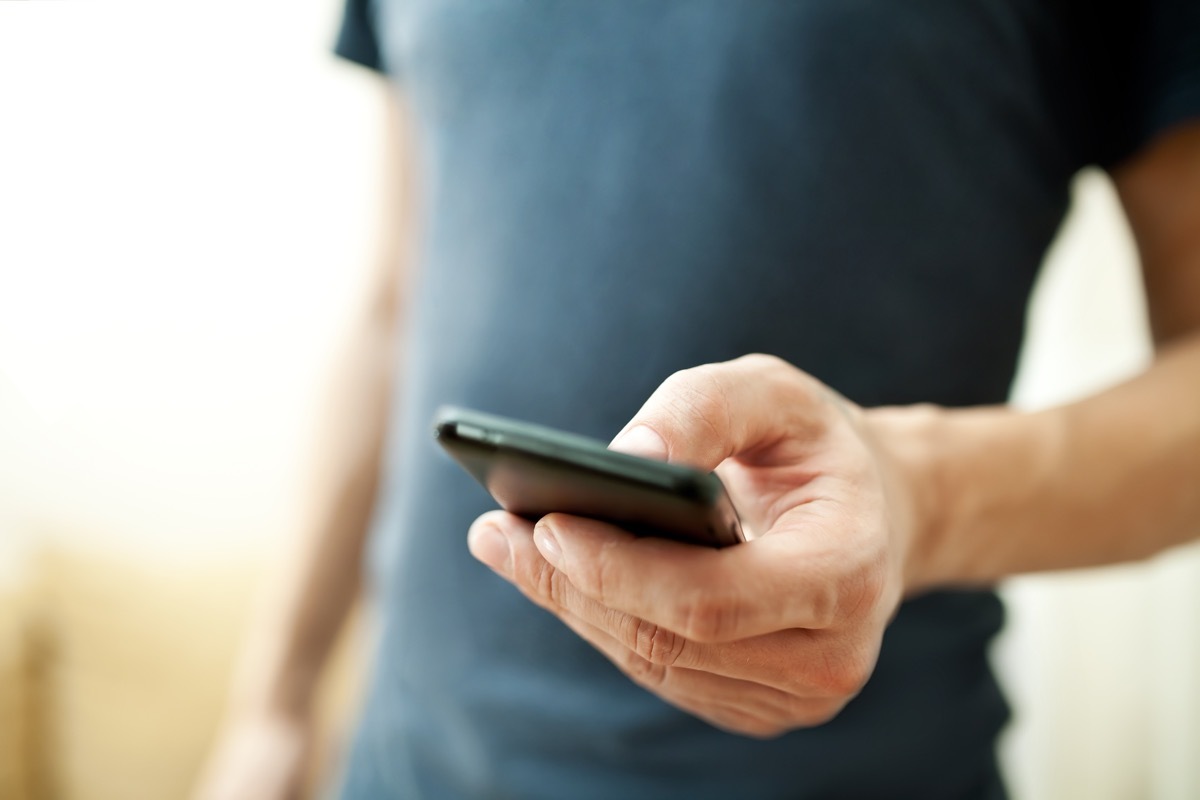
{"type": "Point", "coordinates": [763, 637]}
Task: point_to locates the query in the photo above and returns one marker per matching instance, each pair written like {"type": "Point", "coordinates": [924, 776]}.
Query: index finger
{"type": "Point", "coordinates": [703, 594]}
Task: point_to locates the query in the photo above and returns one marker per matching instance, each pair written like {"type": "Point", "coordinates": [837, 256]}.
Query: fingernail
{"type": "Point", "coordinates": [547, 545]}
{"type": "Point", "coordinates": [489, 544]}
{"type": "Point", "coordinates": [641, 440]}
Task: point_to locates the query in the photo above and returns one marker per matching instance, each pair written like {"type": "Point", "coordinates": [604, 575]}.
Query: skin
{"type": "Point", "coordinates": [859, 508]}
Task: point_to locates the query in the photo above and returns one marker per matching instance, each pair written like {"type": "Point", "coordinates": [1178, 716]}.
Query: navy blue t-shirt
{"type": "Point", "coordinates": [616, 190]}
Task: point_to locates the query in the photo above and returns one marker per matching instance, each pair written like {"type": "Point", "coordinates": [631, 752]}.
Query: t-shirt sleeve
{"type": "Point", "coordinates": [356, 38]}
{"type": "Point", "coordinates": [1170, 70]}
{"type": "Point", "coordinates": [1142, 64]}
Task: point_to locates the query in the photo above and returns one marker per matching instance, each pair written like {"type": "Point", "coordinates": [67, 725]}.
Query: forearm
{"type": "Point", "coordinates": [1114, 477]}
{"type": "Point", "coordinates": [317, 579]}
{"type": "Point", "coordinates": [307, 606]}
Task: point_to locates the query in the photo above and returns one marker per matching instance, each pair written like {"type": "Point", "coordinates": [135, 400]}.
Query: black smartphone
{"type": "Point", "coordinates": [532, 470]}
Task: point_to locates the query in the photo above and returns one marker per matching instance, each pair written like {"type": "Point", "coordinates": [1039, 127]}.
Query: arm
{"type": "Point", "coordinates": [263, 749]}
{"type": "Point", "coordinates": [858, 508]}
{"type": "Point", "coordinates": [1115, 476]}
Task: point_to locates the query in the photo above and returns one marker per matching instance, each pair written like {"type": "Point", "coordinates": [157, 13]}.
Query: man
{"type": "Point", "coordinates": [614, 193]}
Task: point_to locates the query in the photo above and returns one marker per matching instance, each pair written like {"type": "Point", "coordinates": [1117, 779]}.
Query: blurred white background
{"type": "Point", "coordinates": [186, 206]}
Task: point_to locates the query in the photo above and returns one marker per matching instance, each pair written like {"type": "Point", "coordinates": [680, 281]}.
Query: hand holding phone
{"type": "Point", "coordinates": [762, 638]}
{"type": "Point", "coordinates": [532, 470]}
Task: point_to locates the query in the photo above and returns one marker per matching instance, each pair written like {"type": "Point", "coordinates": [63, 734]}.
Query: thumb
{"type": "Point", "coordinates": [704, 415]}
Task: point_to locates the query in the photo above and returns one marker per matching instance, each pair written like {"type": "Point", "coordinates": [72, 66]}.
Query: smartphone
{"type": "Point", "coordinates": [533, 470]}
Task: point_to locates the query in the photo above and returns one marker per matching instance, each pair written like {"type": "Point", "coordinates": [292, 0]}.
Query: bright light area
{"type": "Point", "coordinates": [184, 217]}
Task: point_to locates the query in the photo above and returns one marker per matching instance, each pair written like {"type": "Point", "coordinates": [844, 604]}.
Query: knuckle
{"type": "Point", "coordinates": [699, 395]}
{"type": "Point", "coordinates": [839, 675]}
{"type": "Point", "coordinates": [777, 376]}
{"type": "Point", "coordinates": [642, 671]}
{"type": "Point", "coordinates": [763, 362]}
{"type": "Point", "coordinates": [601, 578]}
{"type": "Point", "coordinates": [540, 580]}
{"type": "Point", "coordinates": [851, 592]}
{"type": "Point", "coordinates": [705, 618]}
{"type": "Point", "coordinates": [796, 684]}
{"type": "Point", "coordinates": [550, 585]}
{"type": "Point", "coordinates": [859, 591]}
{"type": "Point", "coordinates": [656, 644]}
{"type": "Point", "coordinates": [825, 601]}
{"type": "Point", "coordinates": [709, 400]}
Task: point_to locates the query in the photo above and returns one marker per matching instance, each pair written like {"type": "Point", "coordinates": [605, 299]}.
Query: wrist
{"type": "Point", "coordinates": [971, 478]}
{"type": "Point", "coordinates": [908, 441]}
